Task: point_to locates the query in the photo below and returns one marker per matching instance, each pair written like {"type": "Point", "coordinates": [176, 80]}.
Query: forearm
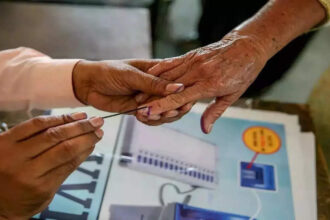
{"type": "Point", "coordinates": [30, 79]}
{"type": "Point", "coordinates": [281, 21]}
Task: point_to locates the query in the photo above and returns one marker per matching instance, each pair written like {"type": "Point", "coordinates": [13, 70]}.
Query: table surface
{"type": "Point", "coordinates": [323, 185]}
{"type": "Point", "coordinates": [307, 124]}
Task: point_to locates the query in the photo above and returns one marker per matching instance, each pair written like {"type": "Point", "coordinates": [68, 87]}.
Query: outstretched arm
{"type": "Point", "coordinates": [225, 69]}
{"type": "Point", "coordinates": [30, 79]}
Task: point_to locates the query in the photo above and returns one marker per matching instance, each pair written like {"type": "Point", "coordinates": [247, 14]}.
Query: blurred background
{"type": "Point", "coordinates": [118, 29]}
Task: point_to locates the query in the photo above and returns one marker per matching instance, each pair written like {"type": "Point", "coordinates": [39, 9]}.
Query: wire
{"type": "Point", "coordinates": [259, 205]}
{"type": "Point", "coordinates": [126, 112]}
{"type": "Point", "coordinates": [177, 189]}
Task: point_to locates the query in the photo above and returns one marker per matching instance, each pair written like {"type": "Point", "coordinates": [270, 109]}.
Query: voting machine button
{"type": "Point", "coordinates": [258, 176]}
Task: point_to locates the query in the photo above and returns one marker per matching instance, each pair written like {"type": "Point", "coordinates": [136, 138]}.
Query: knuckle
{"type": "Point", "coordinates": [168, 75]}
{"type": "Point", "coordinates": [39, 121]}
{"type": "Point", "coordinates": [177, 100]}
{"type": "Point", "coordinates": [159, 104]}
{"type": "Point", "coordinates": [66, 118]}
{"type": "Point", "coordinates": [155, 83]}
{"type": "Point", "coordinates": [172, 75]}
{"type": "Point", "coordinates": [55, 134]}
{"type": "Point", "coordinates": [68, 148]}
{"type": "Point", "coordinates": [84, 126]}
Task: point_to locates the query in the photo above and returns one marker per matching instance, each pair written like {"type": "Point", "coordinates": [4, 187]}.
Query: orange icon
{"type": "Point", "coordinates": [262, 140]}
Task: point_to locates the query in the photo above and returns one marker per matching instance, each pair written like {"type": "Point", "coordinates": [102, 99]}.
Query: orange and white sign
{"type": "Point", "coordinates": [262, 140]}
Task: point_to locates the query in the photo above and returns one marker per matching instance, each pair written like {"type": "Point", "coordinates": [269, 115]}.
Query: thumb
{"type": "Point", "coordinates": [143, 64]}
{"type": "Point", "coordinates": [214, 111]}
{"type": "Point", "coordinates": [166, 65]}
{"type": "Point", "coordinates": [154, 85]}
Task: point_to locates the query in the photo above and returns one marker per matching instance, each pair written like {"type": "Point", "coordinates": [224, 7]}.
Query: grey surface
{"type": "Point", "coordinates": [72, 31]}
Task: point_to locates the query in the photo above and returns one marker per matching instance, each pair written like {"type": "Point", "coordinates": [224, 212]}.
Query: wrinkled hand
{"type": "Point", "coordinates": [37, 156]}
{"type": "Point", "coordinates": [169, 116]}
{"type": "Point", "coordinates": [223, 70]}
{"type": "Point", "coordinates": [112, 85]}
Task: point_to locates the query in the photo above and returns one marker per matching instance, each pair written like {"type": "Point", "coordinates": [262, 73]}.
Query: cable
{"type": "Point", "coordinates": [259, 205]}
{"type": "Point", "coordinates": [177, 189]}
{"type": "Point", "coordinates": [187, 198]}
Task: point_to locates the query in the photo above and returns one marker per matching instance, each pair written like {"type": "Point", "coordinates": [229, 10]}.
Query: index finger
{"type": "Point", "coordinates": [143, 64]}
{"type": "Point", "coordinates": [55, 135]}
{"type": "Point", "coordinates": [166, 65]}
{"type": "Point", "coordinates": [41, 123]}
{"type": "Point", "coordinates": [174, 101]}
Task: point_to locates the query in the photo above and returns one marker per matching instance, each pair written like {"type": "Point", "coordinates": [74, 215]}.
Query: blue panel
{"type": "Point", "coordinates": [259, 176]}
{"type": "Point", "coordinates": [185, 212]}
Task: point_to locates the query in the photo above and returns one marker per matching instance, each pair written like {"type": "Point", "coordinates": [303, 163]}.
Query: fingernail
{"type": "Point", "coordinates": [209, 128]}
{"type": "Point", "coordinates": [99, 133]}
{"type": "Point", "coordinates": [187, 107]}
{"type": "Point", "coordinates": [154, 117]}
{"type": "Point", "coordinates": [171, 114]}
{"type": "Point", "coordinates": [96, 121]}
{"type": "Point", "coordinates": [203, 125]}
{"type": "Point", "coordinates": [144, 111]}
{"type": "Point", "coordinates": [78, 115]}
{"type": "Point", "coordinates": [175, 87]}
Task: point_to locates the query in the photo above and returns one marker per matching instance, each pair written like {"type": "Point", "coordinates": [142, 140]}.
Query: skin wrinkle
{"type": "Point", "coordinates": [113, 85]}
{"type": "Point", "coordinates": [285, 20]}
{"type": "Point", "coordinates": [228, 67]}
{"type": "Point", "coordinates": [213, 62]}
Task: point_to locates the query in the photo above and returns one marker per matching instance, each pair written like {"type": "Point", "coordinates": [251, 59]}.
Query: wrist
{"type": "Point", "coordinates": [280, 21]}
{"type": "Point", "coordinates": [81, 80]}
{"type": "Point", "coordinates": [249, 43]}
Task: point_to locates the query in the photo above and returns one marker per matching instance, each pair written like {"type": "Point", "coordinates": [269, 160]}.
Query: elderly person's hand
{"type": "Point", "coordinates": [224, 70]}
{"type": "Point", "coordinates": [112, 85]}
{"type": "Point", "coordinates": [143, 98]}
{"type": "Point", "coordinates": [38, 155]}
